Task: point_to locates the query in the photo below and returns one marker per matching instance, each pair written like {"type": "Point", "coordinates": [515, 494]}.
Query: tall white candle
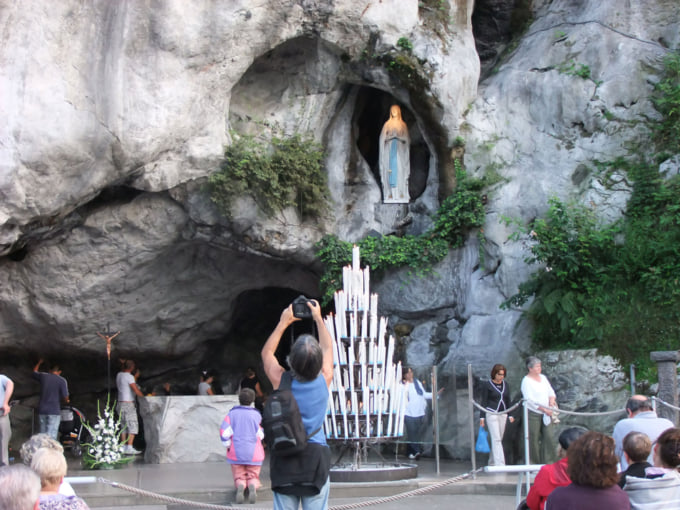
{"type": "Point", "coordinates": [330, 416]}
{"type": "Point", "coordinates": [350, 363]}
{"type": "Point", "coordinates": [390, 416]}
{"type": "Point", "coordinates": [378, 409]}
{"type": "Point", "coordinates": [355, 412]}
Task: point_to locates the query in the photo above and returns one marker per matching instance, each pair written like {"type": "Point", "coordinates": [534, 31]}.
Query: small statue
{"type": "Point", "coordinates": [395, 165]}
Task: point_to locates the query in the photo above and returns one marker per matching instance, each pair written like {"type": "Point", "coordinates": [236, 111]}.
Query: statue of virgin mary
{"type": "Point", "coordinates": [395, 165]}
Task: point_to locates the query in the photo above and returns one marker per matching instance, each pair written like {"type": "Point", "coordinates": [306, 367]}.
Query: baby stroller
{"type": "Point", "coordinates": [72, 432]}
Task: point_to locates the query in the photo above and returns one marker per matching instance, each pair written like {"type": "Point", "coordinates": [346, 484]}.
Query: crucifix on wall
{"type": "Point", "coordinates": [108, 335]}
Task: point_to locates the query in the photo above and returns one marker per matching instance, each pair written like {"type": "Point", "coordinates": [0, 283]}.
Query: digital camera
{"type": "Point", "coordinates": [300, 308]}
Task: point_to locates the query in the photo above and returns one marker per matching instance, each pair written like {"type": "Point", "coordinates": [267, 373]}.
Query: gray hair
{"type": "Point", "coordinates": [532, 361]}
{"type": "Point", "coordinates": [34, 443]}
{"type": "Point", "coordinates": [19, 487]}
{"type": "Point", "coordinates": [305, 358]}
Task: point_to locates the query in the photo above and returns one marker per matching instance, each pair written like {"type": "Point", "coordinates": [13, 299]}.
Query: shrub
{"type": "Point", "coordinates": [287, 173]}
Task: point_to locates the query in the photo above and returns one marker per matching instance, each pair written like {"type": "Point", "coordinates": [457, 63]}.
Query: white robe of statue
{"type": "Point", "coordinates": [395, 165]}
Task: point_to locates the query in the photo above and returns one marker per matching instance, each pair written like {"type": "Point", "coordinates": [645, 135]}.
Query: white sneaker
{"type": "Point", "coordinates": [130, 450]}
{"type": "Point", "coordinates": [411, 456]}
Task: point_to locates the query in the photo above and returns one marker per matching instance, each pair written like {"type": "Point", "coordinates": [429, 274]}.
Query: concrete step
{"type": "Point", "coordinates": [212, 483]}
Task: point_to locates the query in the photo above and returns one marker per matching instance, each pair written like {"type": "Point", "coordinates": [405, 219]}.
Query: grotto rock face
{"type": "Point", "coordinates": [115, 113]}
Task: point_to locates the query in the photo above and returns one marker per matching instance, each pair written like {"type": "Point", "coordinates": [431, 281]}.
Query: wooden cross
{"type": "Point", "coordinates": [108, 336]}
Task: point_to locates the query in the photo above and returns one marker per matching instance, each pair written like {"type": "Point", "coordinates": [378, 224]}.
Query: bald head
{"type": "Point", "coordinates": [637, 404]}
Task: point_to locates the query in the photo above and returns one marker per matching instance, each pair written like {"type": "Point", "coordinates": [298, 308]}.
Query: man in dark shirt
{"type": "Point", "coordinates": [53, 389]}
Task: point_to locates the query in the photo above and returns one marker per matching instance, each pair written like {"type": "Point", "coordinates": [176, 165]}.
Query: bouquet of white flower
{"type": "Point", "coordinates": [106, 448]}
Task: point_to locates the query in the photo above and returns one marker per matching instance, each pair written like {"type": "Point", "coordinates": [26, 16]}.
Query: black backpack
{"type": "Point", "coordinates": [284, 431]}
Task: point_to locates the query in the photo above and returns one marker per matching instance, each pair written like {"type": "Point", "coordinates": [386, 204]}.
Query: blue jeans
{"type": "Point", "coordinates": [415, 428]}
{"type": "Point", "coordinates": [318, 502]}
{"type": "Point", "coordinates": [49, 424]}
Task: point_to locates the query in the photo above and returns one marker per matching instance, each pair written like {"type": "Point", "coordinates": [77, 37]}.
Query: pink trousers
{"type": "Point", "coordinates": [246, 475]}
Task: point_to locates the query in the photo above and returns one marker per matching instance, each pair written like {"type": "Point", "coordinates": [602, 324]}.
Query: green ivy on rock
{"type": "Point", "coordinates": [287, 173]}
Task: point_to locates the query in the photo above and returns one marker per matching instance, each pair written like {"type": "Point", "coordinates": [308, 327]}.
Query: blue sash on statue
{"type": "Point", "coordinates": [394, 162]}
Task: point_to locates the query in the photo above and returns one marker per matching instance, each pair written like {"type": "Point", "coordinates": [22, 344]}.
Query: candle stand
{"type": "Point", "coordinates": [367, 400]}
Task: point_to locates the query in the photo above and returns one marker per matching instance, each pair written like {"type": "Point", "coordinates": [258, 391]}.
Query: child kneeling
{"type": "Point", "coordinates": [242, 434]}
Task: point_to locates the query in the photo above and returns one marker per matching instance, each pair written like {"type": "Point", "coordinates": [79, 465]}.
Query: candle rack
{"type": "Point", "coordinates": [367, 400]}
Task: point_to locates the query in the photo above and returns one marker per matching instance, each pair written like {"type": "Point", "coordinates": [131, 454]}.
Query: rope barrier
{"type": "Point", "coordinates": [557, 409]}
{"type": "Point", "coordinates": [408, 494]}
{"type": "Point", "coordinates": [170, 499]}
{"type": "Point", "coordinates": [348, 506]}
{"type": "Point", "coordinates": [489, 411]}
{"type": "Point", "coordinates": [576, 413]}
{"type": "Point", "coordinates": [667, 404]}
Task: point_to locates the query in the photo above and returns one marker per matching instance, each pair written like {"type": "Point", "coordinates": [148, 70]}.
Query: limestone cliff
{"type": "Point", "coordinates": [114, 114]}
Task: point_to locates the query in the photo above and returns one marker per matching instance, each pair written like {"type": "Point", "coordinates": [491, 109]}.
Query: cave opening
{"type": "Point", "coordinates": [255, 314]}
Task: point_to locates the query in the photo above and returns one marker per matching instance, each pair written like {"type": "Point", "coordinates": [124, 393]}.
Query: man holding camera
{"type": "Point", "coordinates": [311, 365]}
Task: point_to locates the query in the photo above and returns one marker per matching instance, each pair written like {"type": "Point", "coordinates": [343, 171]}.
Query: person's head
{"type": "Point", "coordinates": [206, 377]}
{"type": "Point", "coordinates": [591, 461]}
{"type": "Point", "coordinates": [533, 365]}
{"type": "Point", "coordinates": [637, 446]}
{"type": "Point", "coordinates": [19, 488]}
{"type": "Point", "coordinates": [34, 443]}
{"type": "Point", "coordinates": [305, 358]}
{"type": "Point", "coordinates": [128, 365]}
{"type": "Point", "coordinates": [638, 404]}
{"type": "Point", "coordinates": [56, 369]}
{"type": "Point", "coordinates": [250, 372]}
{"type": "Point", "coordinates": [408, 374]}
{"type": "Point", "coordinates": [50, 466]}
{"type": "Point", "coordinates": [568, 436]}
{"type": "Point", "coordinates": [498, 370]}
{"type": "Point", "coordinates": [246, 397]}
{"type": "Point", "coordinates": [667, 449]}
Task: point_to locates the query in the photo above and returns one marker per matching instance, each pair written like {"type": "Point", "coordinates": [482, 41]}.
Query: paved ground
{"type": "Point", "coordinates": [210, 483]}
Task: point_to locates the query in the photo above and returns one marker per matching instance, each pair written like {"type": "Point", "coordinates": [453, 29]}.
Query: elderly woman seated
{"type": "Point", "coordinates": [592, 468]}
{"type": "Point", "coordinates": [50, 465]}
{"type": "Point", "coordinates": [661, 486]}
{"type": "Point", "coordinates": [35, 443]}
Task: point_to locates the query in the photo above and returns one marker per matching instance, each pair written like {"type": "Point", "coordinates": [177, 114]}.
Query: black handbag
{"type": "Point", "coordinates": [303, 474]}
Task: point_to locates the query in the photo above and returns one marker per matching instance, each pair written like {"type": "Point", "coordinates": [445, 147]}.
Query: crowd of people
{"type": "Point", "coordinates": [38, 483]}
{"type": "Point", "coordinates": [636, 467]}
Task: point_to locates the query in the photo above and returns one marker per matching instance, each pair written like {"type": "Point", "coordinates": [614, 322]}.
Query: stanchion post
{"type": "Point", "coordinates": [472, 421]}
{"type": "Point", "coordinates": [435, 415]}
{"type": "Point", "coordinates": [632, 379]}
{"type": "Point", "coordinates": [666, 367]}
{"type": "Point", "coordinates": [527, 453]}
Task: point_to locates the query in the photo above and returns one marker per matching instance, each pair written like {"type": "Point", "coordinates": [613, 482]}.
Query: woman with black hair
{"type": "Point", "coordinates": [495, 397]}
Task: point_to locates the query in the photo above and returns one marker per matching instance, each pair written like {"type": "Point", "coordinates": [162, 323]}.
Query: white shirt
{"type": "Point", "coordinates": [123, 382]}
{"type": "Point", "coordinates": [537, 393]}
{"type": "Point", "coordinates": [416, 405]}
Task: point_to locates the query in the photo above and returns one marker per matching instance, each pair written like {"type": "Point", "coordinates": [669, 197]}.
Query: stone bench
{"type": "Point", "coordinates": [184, 428]}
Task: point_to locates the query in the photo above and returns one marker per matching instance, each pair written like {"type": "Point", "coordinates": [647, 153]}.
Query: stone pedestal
{"type": "Point", "coordinates": [184, 428]}
{"type": "Point", "coordinates": [666, 363]}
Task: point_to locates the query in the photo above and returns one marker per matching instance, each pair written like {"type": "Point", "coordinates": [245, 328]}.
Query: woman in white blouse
{"type": "Point", "coordinates": [540, 396]}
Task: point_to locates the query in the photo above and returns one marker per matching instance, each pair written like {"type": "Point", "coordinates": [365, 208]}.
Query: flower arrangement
{"type": "Point", "coordinates": [106, 447]}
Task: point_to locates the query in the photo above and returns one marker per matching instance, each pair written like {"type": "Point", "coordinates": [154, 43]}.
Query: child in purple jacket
{"type": "Point", "coordinates": [242, 434]}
